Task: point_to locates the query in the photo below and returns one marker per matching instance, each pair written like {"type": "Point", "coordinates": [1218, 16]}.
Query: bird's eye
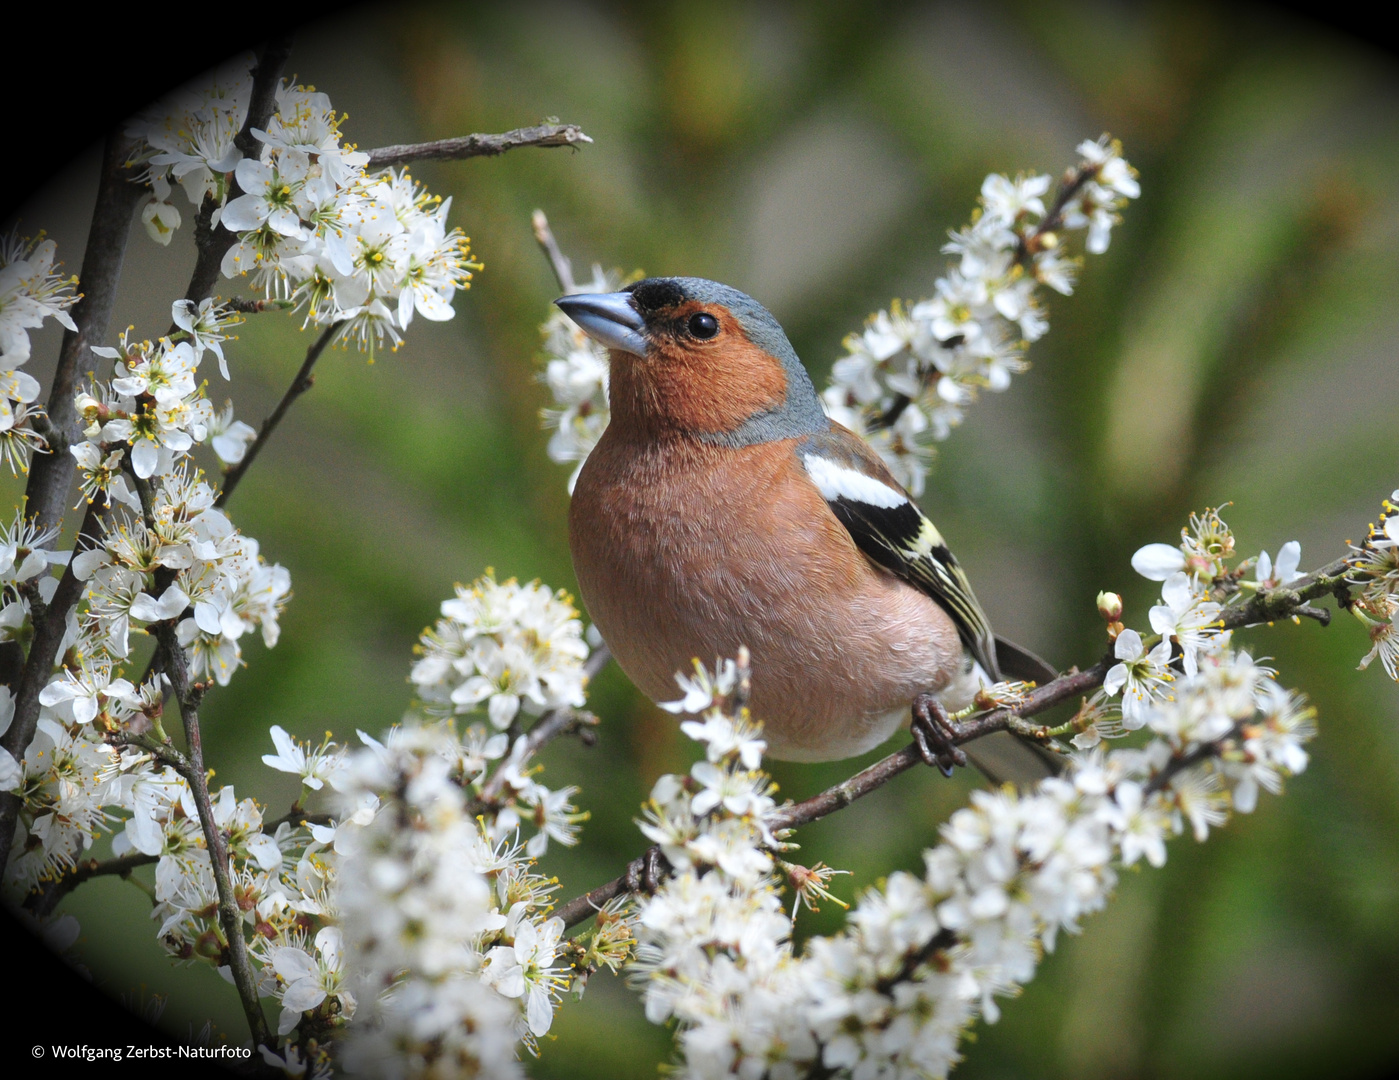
{"type": "Point", "coordinates": [703, 325]}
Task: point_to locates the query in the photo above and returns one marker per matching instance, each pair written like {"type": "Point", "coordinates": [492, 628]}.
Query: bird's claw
{"type": "Point", "coordinates": [647, 877]}
{"type": "Point", "coordinates": [933, 734]}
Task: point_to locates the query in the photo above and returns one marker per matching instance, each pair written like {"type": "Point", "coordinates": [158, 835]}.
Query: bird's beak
{"type": "Point", "coordinates": [608, 318]}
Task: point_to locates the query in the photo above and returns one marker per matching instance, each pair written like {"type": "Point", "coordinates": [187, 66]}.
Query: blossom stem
{"type": "Point", "coordinates": [550, 726]}
{"type": "Point", "coordinates": [299, 386]}
{"type": "Point", "coordinates": [1179, 764]}
{"type": "Point", "coordinates": [470, 146]}
{"type": "Point", "coordinates": [1071, 185]}
{"type": "Point", "coordinates": [38, 668]}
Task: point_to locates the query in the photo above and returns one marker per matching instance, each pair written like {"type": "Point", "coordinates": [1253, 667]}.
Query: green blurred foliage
{"type": "Point", "coordinates": [1236, 343]}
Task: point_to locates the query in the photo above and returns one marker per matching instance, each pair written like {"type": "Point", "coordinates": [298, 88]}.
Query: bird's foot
{"type": "Point", "coordinates": [934, 735]}
{"type": "Point", "coordinates": [646, 877]}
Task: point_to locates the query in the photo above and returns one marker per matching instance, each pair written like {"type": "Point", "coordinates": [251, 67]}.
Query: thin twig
{"type": "Point", "coordinates": [299, 386]}
{"type": "Point", "coordinates": [1264, 607]}
{"type": "Point", "coordinates": [45, 899]}
{"type": "Point", "coordinates": [558, 261]}
{"type": "Point", "coordinates": [470, 146]}
{"type": "Point", "coordinates": [38, 668]}
{"type": "Point", "coordinates": [865, 781]}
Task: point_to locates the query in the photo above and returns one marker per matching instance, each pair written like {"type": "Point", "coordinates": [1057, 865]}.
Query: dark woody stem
{"type": "Point", "coordinates": [50, 485]}
{"type": "Point", "coordinates": [189, 695]}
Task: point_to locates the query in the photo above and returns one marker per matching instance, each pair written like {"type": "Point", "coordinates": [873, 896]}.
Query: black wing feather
{"type": "Point", "coordinates": [903, 541]}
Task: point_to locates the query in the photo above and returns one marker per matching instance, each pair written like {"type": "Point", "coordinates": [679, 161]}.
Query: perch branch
{"type": "Point", "coordinates": [1262, 608]}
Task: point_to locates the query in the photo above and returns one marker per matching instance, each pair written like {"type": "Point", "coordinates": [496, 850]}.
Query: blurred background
{"type": "Point", "coordinates": [1236, 344]}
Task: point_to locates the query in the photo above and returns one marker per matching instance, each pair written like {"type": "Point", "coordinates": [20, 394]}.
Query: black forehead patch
{"type": "Point", "coordinates": [656, 294]}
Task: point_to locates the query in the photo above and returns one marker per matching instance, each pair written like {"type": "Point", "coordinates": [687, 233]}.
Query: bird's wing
{"type": "Point", "coordinates": [889, 527]}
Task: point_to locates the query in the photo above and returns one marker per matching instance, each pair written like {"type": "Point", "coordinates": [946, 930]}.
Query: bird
{"type": "Point", "coordinates": [722, 507]}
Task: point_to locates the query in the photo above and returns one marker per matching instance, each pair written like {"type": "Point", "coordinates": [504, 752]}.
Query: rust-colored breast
{"type": "Point", "coordinates": [685, 550]}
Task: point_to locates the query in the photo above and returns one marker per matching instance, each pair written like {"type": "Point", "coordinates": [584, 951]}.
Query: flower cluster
{"type": "Point", "coordinates": [31, 290]}
{"type": "Point", "coordinates": [1198, 581]}
{"type": "Point", "coordinates": [359, 251]}
{"type": "Point", "coordinates": [76, 787]}
{"type": "Point", "coordinates": [1375, 569]}
{"type": "Point", "coordinates": [906, 378]}
{"type": "Point", "coordinates": [714, 950]}
{"type": "Point", "coordinates": [416, 903]}
{"type": "Point", "coordinates": [181, 561]}
{"type": "Point", "coordinates": [509, 645]}
{"type": "Point", "coordinates": [922, 957]}
{"type": "Point", "coordinates": [445, 918]}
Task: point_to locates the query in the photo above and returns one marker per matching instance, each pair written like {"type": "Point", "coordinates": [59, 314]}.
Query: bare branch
{"type": "Point", "coordinates": [299, 386]}
{"type": "Point", "coordinates": [561, 264]}
{"type": "Point", "coordinates": [470, 146]}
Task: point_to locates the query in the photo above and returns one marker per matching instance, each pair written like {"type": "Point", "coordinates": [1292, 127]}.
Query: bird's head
{"type": "Point", "coordinates": [698, 358]}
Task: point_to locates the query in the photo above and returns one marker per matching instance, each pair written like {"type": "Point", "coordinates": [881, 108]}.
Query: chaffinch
{"type": "Point", "coordinates": [722, 507]}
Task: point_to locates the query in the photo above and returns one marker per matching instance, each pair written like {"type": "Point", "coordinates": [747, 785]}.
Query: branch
{"type": "Point", "coordinates": [470, 146]}
{"type": "Point", "coordinates": [189, 696]}
{"type": "Point", "coordinates": [1264, 607]}
{"type": "Point", "coordinates": [38, 668]}
{"type": "Point", "coordinates": [212, 241]}
{"type": "Point", "coordinates": [558, 261]}
{"type": "Point", "coordinates": [42, 902]}
{"type": "Point", "coordinates": [299, 386]}
{"type": "Point", "coordinates": [51, 477]}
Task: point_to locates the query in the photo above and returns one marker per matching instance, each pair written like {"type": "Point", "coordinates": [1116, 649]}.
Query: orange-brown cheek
{"type": "Point", "coordinates": [714, 386]}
